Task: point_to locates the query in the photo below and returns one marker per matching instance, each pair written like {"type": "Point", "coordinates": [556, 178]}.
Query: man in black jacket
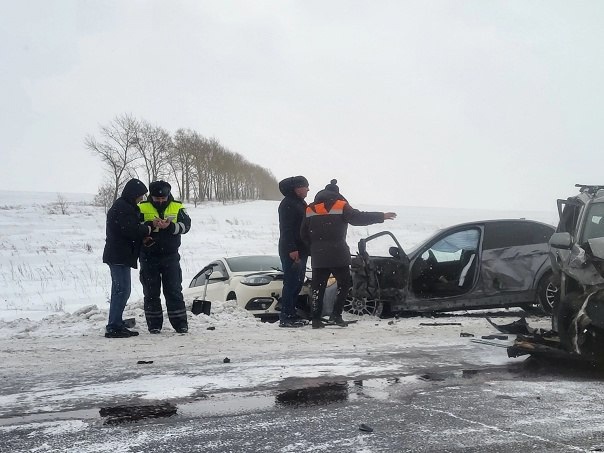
{"type": "Point", "coordinates": [324, 231]}
{"type": "Point", "coordinates": [292, 251]}
{"type": "Point", "coordinates": [124, 236]}
{"type": "Point", "coordinates": [160, 261]}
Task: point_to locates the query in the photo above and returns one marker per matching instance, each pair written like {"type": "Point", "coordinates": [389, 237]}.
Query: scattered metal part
{"type": "Point", "coordinates": [211, 328]}
{"type": "Point", "coordinates": [440, 324]}
{"type": "Point", "coordinates": [226, 360]}
{"type": "Point", "coordinates": [144, 362]}
{"type": "Point", "coordinates": [494, 337]}
{"type": "Point", "coordinates": [490, 343]}
{"type": "Point", "coordinates": [466, 334]}
{"type": "Point", "coordinates": [517, 327]}
{"type": "Point", "coordinates": [365, 428]}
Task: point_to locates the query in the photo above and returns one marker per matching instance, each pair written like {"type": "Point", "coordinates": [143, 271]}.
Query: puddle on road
{"type": "Point", "coordinates": [313, 393]}
{"type": "Point", "coordinates": [309, 392]}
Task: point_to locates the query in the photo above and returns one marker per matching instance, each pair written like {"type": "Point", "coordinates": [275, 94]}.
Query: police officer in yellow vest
{"type": "Point", "coordinates": [159, 258]}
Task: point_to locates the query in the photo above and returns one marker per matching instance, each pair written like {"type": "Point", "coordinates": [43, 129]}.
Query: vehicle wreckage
{"type": "Point", "coordinates": [576, 252]}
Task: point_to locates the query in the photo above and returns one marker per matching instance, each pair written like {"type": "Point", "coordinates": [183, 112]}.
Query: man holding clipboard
{"type": "Point", "coordinates": [159, 258]}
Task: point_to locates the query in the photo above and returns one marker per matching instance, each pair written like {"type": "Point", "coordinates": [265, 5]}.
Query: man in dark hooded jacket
{"type": "Point", "coordinates": [324, 231]}
{"type": "Point", "coordinates": [292, 251]}
{"type": "Point", "coordinates": [124, 236]}
{"type": "Point", "coordinates": [160, 261]}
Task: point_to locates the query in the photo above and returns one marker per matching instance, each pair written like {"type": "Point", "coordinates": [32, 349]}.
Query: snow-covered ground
{"type": "Point", "coordinates": [50, 263]}
{"type": "Point", "coordinates": [54, 299]}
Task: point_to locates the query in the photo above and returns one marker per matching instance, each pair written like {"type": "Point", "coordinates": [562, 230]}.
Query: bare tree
{"type": "Point", "coordinates": [181, 161]}
{"type": "Point", "coordinates": [104, 196]}
{"type": "Point", "coordinates": [61, 204]}
{"type": "Point", "coordinates": [153, 145]}
{"type": "Point", "coordinates": [116, 148]}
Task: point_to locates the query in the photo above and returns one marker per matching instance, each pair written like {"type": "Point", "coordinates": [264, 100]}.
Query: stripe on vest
{"type": "Point", "coordinates": [319, 209]}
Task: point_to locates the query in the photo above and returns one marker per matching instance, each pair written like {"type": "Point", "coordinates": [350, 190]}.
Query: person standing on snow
{"type": "Point", "coordinates": [292, 251]}
{"type": "Point", "coordinates": [159, 258]}
{"type": "Point", "coordinates": [124, 237]}
{"type": "Point", "coordinates": [324, 231]}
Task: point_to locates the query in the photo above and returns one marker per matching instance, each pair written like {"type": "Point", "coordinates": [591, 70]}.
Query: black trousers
{"type": "Point", "coordinates": [157, 271]}
{"type": "Point", "coordinates": [320, 276]}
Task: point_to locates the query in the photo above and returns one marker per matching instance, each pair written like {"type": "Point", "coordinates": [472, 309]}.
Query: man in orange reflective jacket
{"type": "Point", "coordinates": [324, 231]}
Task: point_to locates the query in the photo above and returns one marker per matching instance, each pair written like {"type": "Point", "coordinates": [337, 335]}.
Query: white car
{"type": "Point", "coordinates": [255, 281]}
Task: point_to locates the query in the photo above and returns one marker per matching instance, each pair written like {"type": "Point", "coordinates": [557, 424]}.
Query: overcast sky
{"type": "Point", "coordinates": [429, 103]}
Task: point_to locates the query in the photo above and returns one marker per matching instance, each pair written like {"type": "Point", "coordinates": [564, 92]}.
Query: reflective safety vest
{"type": "Point", "coordinates": [319, 209]}
{"type": "Point", "coordinates": [149, 212]}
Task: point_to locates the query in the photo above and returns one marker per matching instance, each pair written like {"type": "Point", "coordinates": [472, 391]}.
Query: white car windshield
{"type": "Point", "coordinates": [254, 263]}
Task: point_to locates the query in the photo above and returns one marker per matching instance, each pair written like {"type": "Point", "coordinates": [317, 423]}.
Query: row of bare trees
{"type": "Point", "coordinates": [200, 168]}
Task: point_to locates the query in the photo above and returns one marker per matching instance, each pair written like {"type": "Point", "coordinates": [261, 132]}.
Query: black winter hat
{"type": "Point", "coordinates": [299, 181]}
{"type": "Point", "coordinates": [159, 189]}
{"type": "Point", "coordinates": [332, 187]}
{"type": "Point", "coordinates": [134, 189]}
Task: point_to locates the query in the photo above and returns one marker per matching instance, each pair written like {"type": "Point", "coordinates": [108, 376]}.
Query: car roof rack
{"type": "Point", "coordinates": [592, 190]}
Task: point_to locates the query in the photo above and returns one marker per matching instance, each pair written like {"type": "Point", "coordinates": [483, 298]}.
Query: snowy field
{"type": "Point", "coordinates": [50, 263]}
{"type": "Point", "coordinates": [53, 308]}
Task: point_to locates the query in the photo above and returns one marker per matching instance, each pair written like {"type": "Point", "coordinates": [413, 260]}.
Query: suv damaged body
{"type": "Point", "coordinates": [577, 257]}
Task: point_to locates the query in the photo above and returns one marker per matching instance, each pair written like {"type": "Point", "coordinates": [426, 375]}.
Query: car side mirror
{"type": "Point", "coordinates": [597, 247]}
{"type": "Point", "coordinates": [394, 252]}
{"type": "Point", "coordinates": [561, 241]}
{"type": "Point", "coordinates": [216, 275]}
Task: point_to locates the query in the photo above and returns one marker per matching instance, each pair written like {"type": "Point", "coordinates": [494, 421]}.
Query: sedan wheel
{"type": "Point", "coordinates": [362, 306]}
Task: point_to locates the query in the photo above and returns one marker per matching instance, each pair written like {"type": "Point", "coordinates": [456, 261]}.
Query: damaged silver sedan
{"type": "Point", "coordinates": [493, 263]}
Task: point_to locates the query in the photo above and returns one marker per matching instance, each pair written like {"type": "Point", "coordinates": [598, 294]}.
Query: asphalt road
{"type": "Point", "coordinates": [527, 405]}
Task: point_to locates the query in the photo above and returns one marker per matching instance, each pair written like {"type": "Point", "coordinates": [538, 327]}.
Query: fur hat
{"type": "Point", "coordinates": [299, 181]}
{"type": "Point", "coordinates": [332, 187]}
{"type": "Point", "coordinates": [159, 189]}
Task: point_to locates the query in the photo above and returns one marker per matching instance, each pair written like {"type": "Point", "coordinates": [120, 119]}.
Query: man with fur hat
{"type": "Point", "coordinates": [292, 250]}
{"type": "Point", "coordinates": [324, 232]}
{"type": "Point", "coordinates": [160, 261]}
{"type": "Point", "coordinates": [124, 237]}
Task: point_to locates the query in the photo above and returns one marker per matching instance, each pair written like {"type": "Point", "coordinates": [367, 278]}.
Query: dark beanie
{"type": "Point", "coordinates": [159, 189]}
{"type": "Point", "coordinates": [299, 181]}
{"type": "Point", "coordinates": [332, 187]}
{"type": "Point", "coordinates": [134, 189]}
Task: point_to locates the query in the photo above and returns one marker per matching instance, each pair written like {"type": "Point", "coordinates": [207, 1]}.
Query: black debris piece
{"type": "Point", "coordinates": [518, 327]}
{"type": "Point", "coordinates": [144, 362]}
{"type": "Point", "coordinates": [125, 414]}
{"type": "Point", "coordinates": [365, 428]}
{"type": "Point", "coordinates": [440, 324]}
{"type": "Point", "coordinates": [494, 337]}
{"type": "Point", "coordinates": [211, 328]}
{"type": "Point", "coordinates": [466, 334]}
{"type": "Point", "coordinates": [226, 360]}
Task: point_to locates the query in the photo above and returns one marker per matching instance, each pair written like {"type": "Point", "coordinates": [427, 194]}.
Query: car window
{"type": "Point", "coordinates": [570, 210]}
{"type": "Point", "coordinates": [219, 271]}
{"type": "Point", "coordinates": [508, 234]}
{"type": "Point", "coordinates": [450, 247]}
{"type": "Point", "coordinates": [254, 263]}
{"type": "Point", "coordinates": [594, 222]}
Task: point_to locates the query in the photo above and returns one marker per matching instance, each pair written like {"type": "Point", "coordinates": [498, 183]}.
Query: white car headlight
{"type": "Point", "coordinates": [256, 280]}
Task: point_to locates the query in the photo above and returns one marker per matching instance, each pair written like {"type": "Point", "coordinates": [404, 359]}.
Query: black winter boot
{"type": "Point", "coordinates": [317, 324]}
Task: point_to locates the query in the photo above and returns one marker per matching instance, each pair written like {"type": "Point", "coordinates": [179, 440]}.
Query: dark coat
{"type": "Point", "coordinates": [124, 230]}
{"type": "Point", "coordinates": [291, 214]}
{"type": "Point", "coordinates": [325, 226]}
{"type": "Point", "coordinates": [166, 241]}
